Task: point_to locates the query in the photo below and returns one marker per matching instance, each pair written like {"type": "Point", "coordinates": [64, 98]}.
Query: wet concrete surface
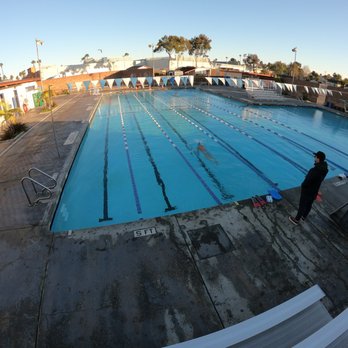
{"type": "Point", "coordinates": [199, 272]}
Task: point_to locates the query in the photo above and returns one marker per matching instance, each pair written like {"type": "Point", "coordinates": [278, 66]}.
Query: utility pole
{"type": "Point", "coordinates": [39, 42]}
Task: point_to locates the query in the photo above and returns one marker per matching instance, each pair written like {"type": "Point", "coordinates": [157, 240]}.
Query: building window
{"type": "Point", "coordinates": [30, 88]}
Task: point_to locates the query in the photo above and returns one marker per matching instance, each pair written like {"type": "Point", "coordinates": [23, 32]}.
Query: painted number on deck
{"type": "Point", "coordinates": [144, 232]}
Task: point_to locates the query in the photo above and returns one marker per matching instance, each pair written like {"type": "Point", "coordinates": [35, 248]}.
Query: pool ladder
{"type": "Point", "coordinates": [40, 191]}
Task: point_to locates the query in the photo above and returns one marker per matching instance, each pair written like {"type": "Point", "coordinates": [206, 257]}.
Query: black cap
{"type": "Point", "coordinates": [320, 155]}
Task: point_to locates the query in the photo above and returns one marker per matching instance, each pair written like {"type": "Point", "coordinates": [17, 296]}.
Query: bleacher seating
{"type": "Point", "coordinates": [301, 319]}
{"type": "Point", "coordinates": [264, 94]}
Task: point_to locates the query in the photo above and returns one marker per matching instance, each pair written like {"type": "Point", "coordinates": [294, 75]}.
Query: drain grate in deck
{"type": "Point", "coordinates": [210, 241]}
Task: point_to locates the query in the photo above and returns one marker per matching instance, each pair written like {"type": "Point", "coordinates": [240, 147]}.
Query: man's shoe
{"type": "Point", "coordinates": [293, 220]}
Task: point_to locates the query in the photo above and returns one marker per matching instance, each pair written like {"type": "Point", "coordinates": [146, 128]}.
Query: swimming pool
{"type": "Point", "coordinates": [154, 153]}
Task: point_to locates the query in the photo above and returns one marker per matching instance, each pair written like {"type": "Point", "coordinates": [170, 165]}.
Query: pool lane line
{"type": "Point", "coordinates": [230, 125]}
{"type": "Point", "coordinates": [311, 153]}
{"type": "Point", "coordinates": [210, 174]}
{"type": "Point", "coordinates": [259, 125]}
{"type": "Point", "coordinates": [105, 171]}
{"type": "Point", "coordinates": [289, 127]}
{"type": "Point", "coordinates": [130, 168]}
{"type": "Point", "coordinates": [293, 142]}
{"type": "Point", "coordinates": [225, 145]}
{"type": "Point", "coordinates": [212, 194]}
{"type": "Point", "coordinates": [302, 133]}
{"type": "Point", "coordinates": [159, 179]}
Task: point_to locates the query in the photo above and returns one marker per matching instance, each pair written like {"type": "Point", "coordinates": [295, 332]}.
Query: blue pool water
{"type": "Point", "coordinates": [139, 158]}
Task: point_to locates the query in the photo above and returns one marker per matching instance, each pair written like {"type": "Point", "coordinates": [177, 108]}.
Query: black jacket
{"type": "Point", "coordinates": [315, 176]}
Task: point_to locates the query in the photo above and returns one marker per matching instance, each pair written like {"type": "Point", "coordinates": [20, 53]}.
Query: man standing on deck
{"type": "Point", "coordinates": [310, 187]}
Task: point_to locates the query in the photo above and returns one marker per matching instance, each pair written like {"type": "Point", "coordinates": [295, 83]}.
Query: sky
{"type": "Point", "coordinates": [268, 28]}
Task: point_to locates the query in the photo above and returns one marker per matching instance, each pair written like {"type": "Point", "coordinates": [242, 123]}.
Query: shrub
{"type": "Point", "coordinates": [12, 129]}
{"type": "Point", "coordinates": [47, 108]}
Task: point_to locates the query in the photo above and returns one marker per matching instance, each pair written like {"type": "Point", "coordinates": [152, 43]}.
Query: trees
{"type": "Point", "coordinates": [335, 78]}
{"type": "Point", "coordinates": [199, 45]}
{"type": "Point", "coordinates": [295, 69]}
{"type": "Point", "coordinates": [22, 74]}
{"type": "Point", "coordinates": [233, 61]}
{"type": "Point", "coordinates": [279, 68]}
{"type": "Point", "coordinates": [252, 61]}
{"type": "Point", "coordinates": [172, 44]}
{"type": "Point", "coordinates": [87, 59]}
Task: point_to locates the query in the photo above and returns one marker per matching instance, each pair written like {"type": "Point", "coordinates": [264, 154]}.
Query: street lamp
{"type": "Point", "coordinates": [152, 46]}
{"type": "Point", "coordinates": [39, 42]}
{"type": "Point", "coordinates": [293, 65]}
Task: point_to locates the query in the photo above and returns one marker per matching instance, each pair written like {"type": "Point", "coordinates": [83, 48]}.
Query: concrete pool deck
{"type": "Point", "coordinates": [188, 275]}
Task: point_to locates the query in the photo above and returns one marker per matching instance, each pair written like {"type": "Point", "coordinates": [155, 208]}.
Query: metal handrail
{"type": "Point", "coordinates": [39, 195]}
{"type": "Point", "coordinates": [53, 185]}
{"type": "Point", "coordinates": [38, 198]}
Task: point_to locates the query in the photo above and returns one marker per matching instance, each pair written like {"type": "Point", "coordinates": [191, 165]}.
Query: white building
{"type": "Point", "coordinates": [17, 93]}
{"type": "Point", "coordinates": [121, 63]}
{"type": "Point", "coordinates": [90, 66]}
{"type": "Point", "coordinates": [166, 63]}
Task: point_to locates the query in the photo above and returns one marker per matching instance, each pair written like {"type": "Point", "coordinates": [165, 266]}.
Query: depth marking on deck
{"type": "Point", "coordinates": [144, 232]}
{"type": "Point", "coordinates": [89, 108]}
{"type": "Point", "coordinates": [71, 138]}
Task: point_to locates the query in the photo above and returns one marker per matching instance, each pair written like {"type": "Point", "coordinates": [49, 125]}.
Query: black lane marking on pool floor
{"type": "Point", "coordinates": [160, 182]}
{"type": "Point", "coordinates": [210, 174]}
{"type": "Point", "coordinates": [194, 171]}
{"type": "Point", "coordinates": [224, 144]}
{"type": "Point", "coordinates": [106, 167]}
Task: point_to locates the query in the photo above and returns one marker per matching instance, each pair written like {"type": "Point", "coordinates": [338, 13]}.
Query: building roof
{"type": "Point", "coordinates": [13, 83]}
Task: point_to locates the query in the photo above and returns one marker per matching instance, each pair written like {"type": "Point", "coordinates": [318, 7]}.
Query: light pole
{"type": "Point", "coordinates": [52, 122]}
{"type": "Point", "coordinates": [39, 42]}
{"type": "Point", "coordinates": [293, 65]}
{"type": "Point", "coordinates": [153, 63]}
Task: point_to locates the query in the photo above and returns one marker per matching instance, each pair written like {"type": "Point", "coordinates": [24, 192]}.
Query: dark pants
{"type": "Point", "coordinates": [305, 206]}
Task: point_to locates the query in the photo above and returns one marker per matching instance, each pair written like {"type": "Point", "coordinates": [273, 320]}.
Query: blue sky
{"type": "Point", "coordinates": [270, 29]}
